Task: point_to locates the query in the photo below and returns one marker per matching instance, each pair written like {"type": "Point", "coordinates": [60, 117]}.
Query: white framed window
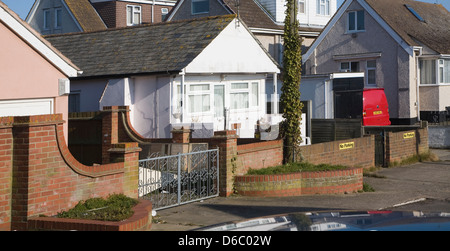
{"type": "Point", "coordinates": [164, 12]}
{"type": "Point", "coordinates": [323, 7]}
{"type": "Point", "coordinates": [351, 66]}
{"type": "Point", "coordinates": [355, 21]}
{"type": "Point", "coordinates": [301, 6]}
{"type": "Point", "coordinates": [371, 69]}
{"type": "Point", "coordinates": [47, 19]}
{"type": "Point", "coordinates": [58, 18]}
{"type": "Point", "coordinates": [199, 98]}
{"type": "Point", "coordinates": [427, 70]}
{"type": "Point", "coordinates": [134, 15]}
{"type": "Point", "coordinates": [444, 71]}
{"type": "Point", "coordinates": [199, 7]}
{"type": "Point", "coordinates": [244, 95]}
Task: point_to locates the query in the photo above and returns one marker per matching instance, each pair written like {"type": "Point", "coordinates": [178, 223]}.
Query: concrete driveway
{"type": "Point", "coordinates": [421, 186]}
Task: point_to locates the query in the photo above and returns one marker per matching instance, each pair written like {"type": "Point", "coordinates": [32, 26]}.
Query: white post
{"type": "Point", "coordinates": [275, 94]}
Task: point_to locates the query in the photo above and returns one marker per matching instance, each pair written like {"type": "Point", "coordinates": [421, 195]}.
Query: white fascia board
{"type": "Point", "coordinates": [177, 6]}
{"type": "Point", "coordinates": [31, 38]}
{"type": "Point", "coordinates": [337, 75]}
{"type": "Point", "coordinates": [32, 11]}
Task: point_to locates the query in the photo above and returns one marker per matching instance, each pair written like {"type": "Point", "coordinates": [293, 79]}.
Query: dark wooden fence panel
{"type": "Point", "coordinates": [85, 137]}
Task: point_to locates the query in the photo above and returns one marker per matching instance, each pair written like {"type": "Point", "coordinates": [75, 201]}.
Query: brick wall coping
{"type": "Point", "coordinates": [141, 220]}
{"type": "Point", "coordinates": [259, 146]}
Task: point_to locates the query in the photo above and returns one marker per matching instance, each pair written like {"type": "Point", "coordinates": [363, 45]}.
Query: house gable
{"type": "Point", "coordinates": [75, 16]}
{"type": "Point", "coordinates": [234, 50]}
{"type": "Point", "coordinates": [34, 40]}
{"type": "Point", "coordinates": [341, 15]}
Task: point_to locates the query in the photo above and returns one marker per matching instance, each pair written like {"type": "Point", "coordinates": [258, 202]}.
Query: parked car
{"type": "Point", "coordinates": [385, 220]}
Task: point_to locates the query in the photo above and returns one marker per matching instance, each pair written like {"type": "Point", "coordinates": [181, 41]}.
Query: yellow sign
{"type": "Point", "coordinates": [347, 145]}
{"type": "Point", "coordinates": [408, 135]}
{"type": "Point", "coordinates": [377, 112]}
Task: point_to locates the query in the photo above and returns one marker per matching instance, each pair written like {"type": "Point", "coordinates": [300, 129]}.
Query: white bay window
{"type": "Point", "coordinates": [434, 71]}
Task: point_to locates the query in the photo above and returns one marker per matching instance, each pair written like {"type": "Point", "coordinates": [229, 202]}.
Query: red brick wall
{"type": "Point", "coordinates": [402, 145]}
{"type": "Point", "coordinates": [47, 178]}
{"type": "Point", "coordinates": [362, 154]}
{"type": "Point", "coordinates": [304, 183]}
{"type": "Point", "coordinates": [5, 173]}
{"type": "Point", "coordinates": [259, 155]}
{"type": "Point", "coordinates": [114, 13]}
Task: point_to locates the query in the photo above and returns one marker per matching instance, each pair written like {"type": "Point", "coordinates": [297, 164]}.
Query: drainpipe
{"type": "Point", "coordinates": [182, 74]}
{"type": "Point", "coordinates": [153, 11]}
{"type": "Point", "coordinates": [275, 94]}
{"type": "Point", "coordinates": [417, 55]}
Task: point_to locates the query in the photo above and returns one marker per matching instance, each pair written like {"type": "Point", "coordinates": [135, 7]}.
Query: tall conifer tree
{"type": "Point", "coordinates": [290, 90]}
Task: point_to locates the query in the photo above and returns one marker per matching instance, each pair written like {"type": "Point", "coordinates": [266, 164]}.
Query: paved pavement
{"type": "Point", "coordinates": [421, 186]}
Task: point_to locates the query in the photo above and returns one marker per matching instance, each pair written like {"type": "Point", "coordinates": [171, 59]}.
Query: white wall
{"type": "Point", "coordinates": [319, 90]}
{"type": "Point", "coordinates": [308, 19]}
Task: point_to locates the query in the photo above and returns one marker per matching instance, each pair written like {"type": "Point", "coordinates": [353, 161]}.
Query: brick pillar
{"type": "Point", "coordinates": [129, 154]}
{"type": "Point", "coordinates": [5, 172]}
{"type": "Point", "coordinates": [181, 135]}
{"type": "Point", "coordinates": [227, 143]}
{"type": "Point", "coordinates": [111, 128]}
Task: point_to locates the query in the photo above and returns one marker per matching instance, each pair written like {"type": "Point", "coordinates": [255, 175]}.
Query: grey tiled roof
{"type": "Point", "coordinates": [434, 32]}
{"type": "Point", "coordinates": [146, 49]}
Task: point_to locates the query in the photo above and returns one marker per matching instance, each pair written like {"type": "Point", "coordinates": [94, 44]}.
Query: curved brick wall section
{"type": "Point", "coordinates": [304, 183]}
{"type": "Point", "coordinates": [40, 175]}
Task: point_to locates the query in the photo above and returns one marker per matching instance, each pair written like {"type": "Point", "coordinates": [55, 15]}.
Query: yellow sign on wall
{"type": "Point", "coordinates": [408, 135]}
{"type": "Point", "coordinates": [346, 145]}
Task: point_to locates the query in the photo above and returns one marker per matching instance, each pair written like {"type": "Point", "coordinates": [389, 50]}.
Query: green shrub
{"type": "Point", "coordinates": [294, 168]}
{"type": "Point", "coordinates": [116, 207]}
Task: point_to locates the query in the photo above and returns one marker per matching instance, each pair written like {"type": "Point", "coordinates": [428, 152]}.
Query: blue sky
{"type": "Point", "coordinates": [22, 7]}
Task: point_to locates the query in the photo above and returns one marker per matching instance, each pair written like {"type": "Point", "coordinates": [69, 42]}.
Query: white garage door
{"type": "Point", "coordinates": [26, 107]}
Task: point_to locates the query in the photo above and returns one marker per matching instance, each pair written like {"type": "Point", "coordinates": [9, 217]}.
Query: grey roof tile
{"type": "Point", "coordinates": [146, 49]}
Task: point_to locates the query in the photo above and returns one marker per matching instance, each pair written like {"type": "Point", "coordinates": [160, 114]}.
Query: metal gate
{"type": "Point", "coordinates": [178, 179]}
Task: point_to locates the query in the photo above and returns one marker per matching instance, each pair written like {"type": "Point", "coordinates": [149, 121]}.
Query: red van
{"type": "Point", "coordinates": [375, 108]}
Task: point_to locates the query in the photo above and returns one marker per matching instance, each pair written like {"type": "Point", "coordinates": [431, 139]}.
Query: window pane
{"type": "Point", "coordinates": [255, 94]}
{"type": "Point", "coordinates": [427, 71]}
{"type": "Point", "coordinates": [239, 85]}
{"type": "Point", "coordinates": [200, 6]}
{"type": "Point", "coordinates": [354, 66]}
{"type": "Point", "coordinates": [371, 64]}
{"type": "Point", "coordinates": [301, 6]}
{"type": "Point", "coordinates": [239, 100]}
{"type": "Point", "coordinates": [46, 19]}
{"type": "Point", "coordinates": [371, 77]}
{"type": "Point", "coordinates": [345, 66]}
{"type": "Point", "coordinates": [360, 22]}
{"type": "Point", "coordinates": [219, 100]}
{"type": "Point", "coordinates": [58, 18]}
{"type": "Point", "coordinates": [444, 71]}
{"type": "Point", "coordinates": [200, 87]}
{"type": "Point", "coordinates": [351, 21]}
{"type": "Point", "coordinates": [129, 14]}
{"type": "Point", "coordinates": [199, 103]}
